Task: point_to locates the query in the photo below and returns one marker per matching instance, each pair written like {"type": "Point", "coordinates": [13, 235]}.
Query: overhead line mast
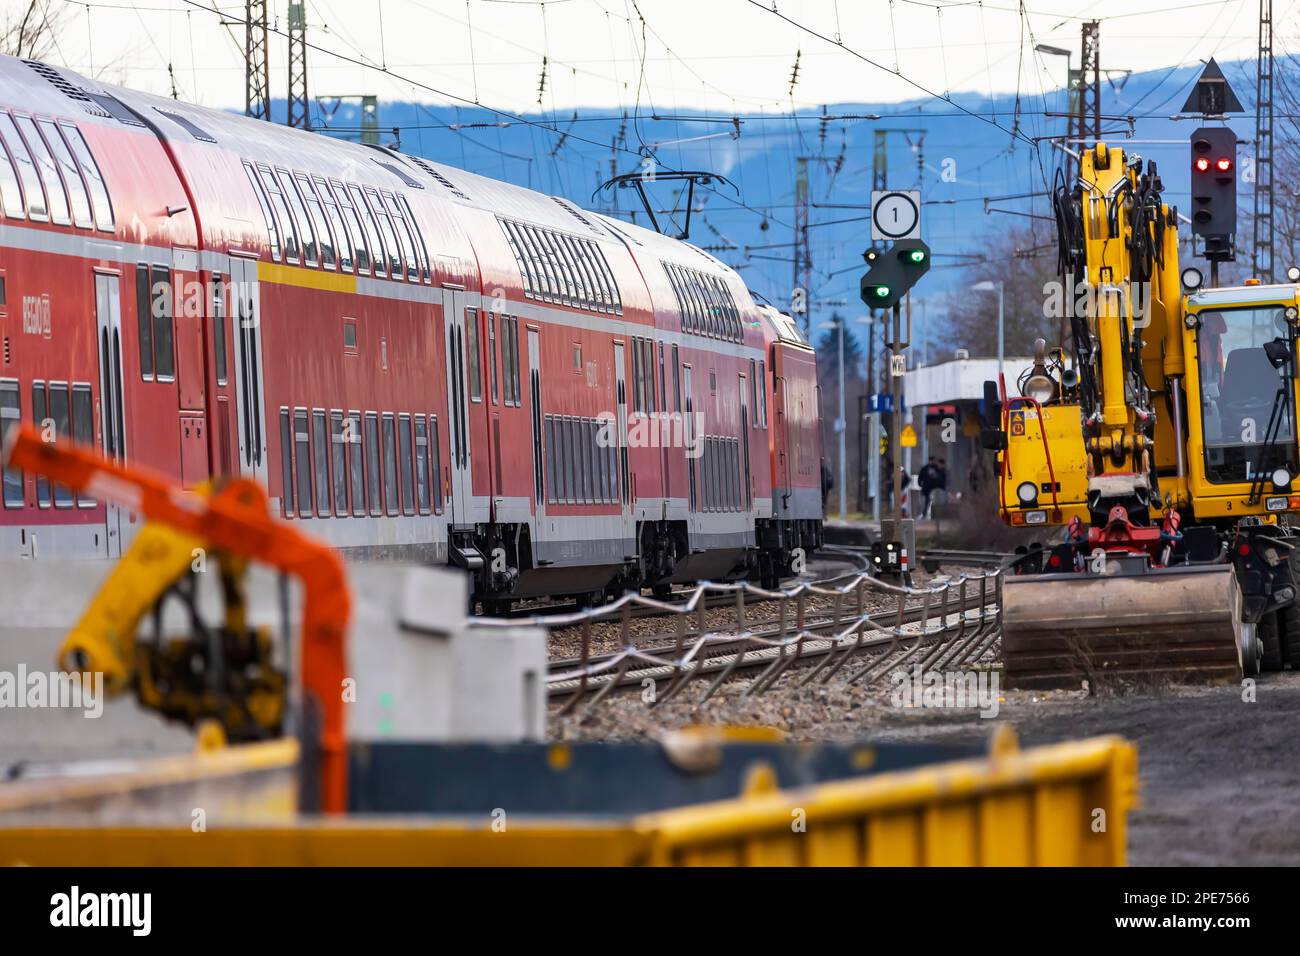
{"type": "Point", "coordinates": [257, 76]}
{"type": "Point", "coordinates": [1262, 248]}
{"type": "Point", "coordinates": [299, 105]}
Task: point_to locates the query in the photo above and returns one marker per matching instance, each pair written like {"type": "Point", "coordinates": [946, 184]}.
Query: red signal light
{"type": "Point", "coordinates": [1243, 549]}
{"type": "Point", "coordinates": [1223, 164]}
{"type": "Point", "coordinates": [1202, 164]}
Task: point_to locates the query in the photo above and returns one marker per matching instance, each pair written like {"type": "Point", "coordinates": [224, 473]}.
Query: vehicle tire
{"type": "Point", "coordinates": [1249, 650]}
{"type": "Point", "coordinates": [1290, 617]}
{"type": "Point", "coordinates": [1270, 640]}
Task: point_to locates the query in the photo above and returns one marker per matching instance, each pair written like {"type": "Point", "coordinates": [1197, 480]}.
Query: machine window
{"type": "Point", "coordinates": [1245, 402]}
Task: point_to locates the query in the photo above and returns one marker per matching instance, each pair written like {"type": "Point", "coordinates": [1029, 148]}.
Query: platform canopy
{"type": "Point", "coordinates": [961, 380]}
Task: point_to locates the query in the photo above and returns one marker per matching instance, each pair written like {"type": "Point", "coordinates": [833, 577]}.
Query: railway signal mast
{"type": "Point", "coordinates": [1214, 169]}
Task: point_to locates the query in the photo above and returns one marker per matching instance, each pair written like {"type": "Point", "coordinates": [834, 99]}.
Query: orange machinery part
{"type": "Point", "coordinates": [235, 519]}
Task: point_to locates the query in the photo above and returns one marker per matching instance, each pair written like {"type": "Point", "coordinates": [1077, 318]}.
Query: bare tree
{"type": "Point", "coordinates": [31, 30]}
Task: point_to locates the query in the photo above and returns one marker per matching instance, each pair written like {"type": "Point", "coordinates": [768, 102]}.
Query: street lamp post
{"type": "Point", "coordinates": [1000, 288]}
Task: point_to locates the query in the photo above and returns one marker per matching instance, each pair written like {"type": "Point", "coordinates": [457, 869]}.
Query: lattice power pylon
{"type": "Point", "coordinates": [257, 78]}
{"type": "Point", "coordinates": [1262, 249]}
{"type": "Point", "coordinates": [1085, 96]}
{"type": "Point", "coordinates": [299, 103]}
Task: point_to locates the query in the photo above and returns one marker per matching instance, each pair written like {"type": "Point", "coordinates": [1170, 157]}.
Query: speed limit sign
{"type": "Point", "coordinates": [895, 214]}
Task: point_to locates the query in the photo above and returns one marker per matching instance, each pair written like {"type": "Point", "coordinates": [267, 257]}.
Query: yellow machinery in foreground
{"type": "Point", "coordinates": [1059, 805]}
{"type": "Point", "coordinates": [1165, 447]}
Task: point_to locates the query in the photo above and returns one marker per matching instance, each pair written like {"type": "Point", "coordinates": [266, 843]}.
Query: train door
{"type": "Point", "coordinates": [747, 488]}
{"type": "Point", "coordinates": [620, 397]}
{"type": "Point", "coordinates": [112, 414]}
{"type": "Point", "coordinates": [462, 489]}
{"type": "Point", "coordinates": [535, 405]}
{"type": "Point", "coordinates": [688, 435]}
{"type": "Point", "coordinates": [250, 390]}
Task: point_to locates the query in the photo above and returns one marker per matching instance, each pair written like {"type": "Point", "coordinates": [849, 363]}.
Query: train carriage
{"type": "Point", "coordinates": [418, 362]}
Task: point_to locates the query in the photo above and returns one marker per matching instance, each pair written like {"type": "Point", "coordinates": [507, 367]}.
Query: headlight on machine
{"type": "Point", "coordinates": [1027, 492]}
{"type": "Point", "coordinates": [1035, 517]}
{"type": "Point", "coordinates": [1040, 388]}
{"type": "Point", "coordinates": [1275, 504]}
{"type": "Point", "coordinates": [1281, 479]}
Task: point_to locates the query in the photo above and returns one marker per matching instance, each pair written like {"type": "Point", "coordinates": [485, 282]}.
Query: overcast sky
{"type": "Point", "coordinates": [724, 55]}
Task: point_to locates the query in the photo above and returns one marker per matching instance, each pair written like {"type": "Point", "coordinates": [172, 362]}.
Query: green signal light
{"type": "Point", "coordinates": [882, 292]}
{"type": "Point", "coordinates": [916, 255]}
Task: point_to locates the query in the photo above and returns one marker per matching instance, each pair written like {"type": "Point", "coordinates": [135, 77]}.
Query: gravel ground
{"type": "Point", "coordinates": [1219, 776]}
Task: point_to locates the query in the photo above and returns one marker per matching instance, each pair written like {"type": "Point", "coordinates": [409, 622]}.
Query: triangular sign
{"type": "Point", "coordinates": [1212, 96]}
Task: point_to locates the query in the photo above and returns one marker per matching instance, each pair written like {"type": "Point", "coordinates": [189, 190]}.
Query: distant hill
{"type": "Point", "coordinates": [964, 160]}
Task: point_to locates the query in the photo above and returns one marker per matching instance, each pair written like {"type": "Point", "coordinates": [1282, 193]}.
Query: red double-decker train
{"type": "Point", "coordinates": [418, 362]}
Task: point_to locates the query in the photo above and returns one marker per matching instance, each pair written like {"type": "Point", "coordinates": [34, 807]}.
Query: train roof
{"type": "Point", "coordinates": [437, 188]}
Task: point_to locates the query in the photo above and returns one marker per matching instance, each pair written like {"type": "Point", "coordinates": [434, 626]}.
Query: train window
{"type": "Point", "coordinates": [435, 464]}
{"type": "Point", "coordinates": [310, 252]}
{"type": "Point", "coordinates": [420, 248]}
{"type": "Point", "coordinates": [421, 464]}
{"type": "Point", "coordinates": [548, 448]}
{"type": "Point", "coordinates": [39, 419]}
{"type": "Point", "coordinates": [492, 353]}
{"type": "Point", "coordinates": [370, 451]}
{"type": "Point", "coordinates": [555, 446]}
{"type": "Point", "coordinates": [473, 354]}
{"type": "Point", "coordinates": [219, 287]}
{"type": "Point", "coordinates": [281, 208]}
{"type": "Point", "coordinates": [588, 297]}
{"type": "Point", "coordinates": [339, 463]}
{"type": "Point", "coordinates": [361, 253]}
{"type": "Point", "coordinates": [54, 193]}
{"type": "Point", "coordinates": [408, 463]}
{"type": "Point", "coordinates": [761, 385]}
{"type": "Point", "coordinates": [572, 476]}
{"type": "Point", "coordinates": [588, 461]}
{"type": "Point", "coordinates": [99, 200]}
{"type": "Point", "coordinates": [319, 223]}
{"type": "Point", "coordinates": [378, 255]}
{"type": "Point", "coordinates": [385, 223]}
{"type": "Point", "coordinates": [356, 467]}
{"type": "Point", "coordinates": [390, 464]}
{"type": "Point", "coordinates": [510, 360]}
{"type": "Point", "coordinates": [80, 201]}
{"type": "Point", "coordinates": [753, 394]}
{"type": "Point", "coordinates": [61, 414]}
{"type": "Point", "coordinates": [286, 462]}
{"type": "Point", "coordinates": [83, 428]}
{"type": "Point", "coordinates": [404, 236]}
{"type": "Point", "coordinates": [11, 413]}
{"type": "Point", "coordinates": [514, 236]}
{"type": "Point", "coordinates": [616, 300]}
{"type": "Point", "coordinates": [26, 169]}
{"type": "Point", "coordinates": [334, 220]}
{"type": "Point", "coordinates": [663, 381]}
{"type": "Point", "coordinates": [144, 320]}
{"type": "Point", "coordinates": [11, 193]}
{"type": "Point", "coordinates": [638, 399]}
{"type": "Point", "coordinates": [541, 263]}
{"type": "Point", "coordinates": [577, 356]}
{"type": "Point", "coordinates": [164, 356]}
{"type": "Point", "coordinates": [320, 444]}
{"type": "Point", "coordinates": [677, 380]}
{"type": "Point", "coordinates": [272, 230]}
{"type": "Point", "coordinates": [302, 461]}
{"type": "Point", "coordinates": [650, 374]}
{"type": "Point", "coordinates": [560, 268]}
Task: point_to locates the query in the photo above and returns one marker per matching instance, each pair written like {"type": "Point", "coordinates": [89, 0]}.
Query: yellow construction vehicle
{"type": "Point", "coordinates": [1163, 443]}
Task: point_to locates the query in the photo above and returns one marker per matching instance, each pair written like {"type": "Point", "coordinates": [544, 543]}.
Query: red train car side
{"type": "Point", "coordinates": [421, 362]}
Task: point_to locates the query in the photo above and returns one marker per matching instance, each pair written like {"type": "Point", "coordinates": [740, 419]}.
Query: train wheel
{"type": "Point", "coordinates": [1270, 640]}
{"type": "Point", "coordinates": [1290, 618]}
{"type": "Point", "coordinates": [662, 591]}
